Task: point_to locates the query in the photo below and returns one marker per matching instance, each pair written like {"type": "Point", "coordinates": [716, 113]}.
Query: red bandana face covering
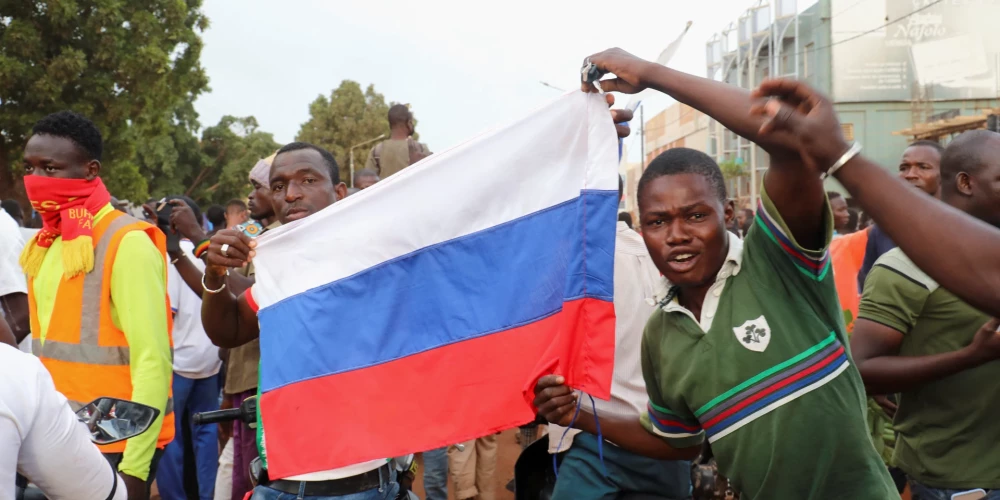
{"type": "Point", "coordinates": [67, 207]}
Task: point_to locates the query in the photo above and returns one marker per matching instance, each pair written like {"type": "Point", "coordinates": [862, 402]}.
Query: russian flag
{"type": "Point", "coordinates": [420, 312]}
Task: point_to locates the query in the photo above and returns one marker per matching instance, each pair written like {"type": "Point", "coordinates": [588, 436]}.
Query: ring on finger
{"type": "Point", "coordinates": [224, 250]}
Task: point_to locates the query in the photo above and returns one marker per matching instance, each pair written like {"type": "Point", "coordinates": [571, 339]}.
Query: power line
{"type": "Point", "coordinates": [859, 35]}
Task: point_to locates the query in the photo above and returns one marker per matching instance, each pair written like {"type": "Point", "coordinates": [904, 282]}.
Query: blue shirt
{"type": "Point", "coordinates": [878, 244]}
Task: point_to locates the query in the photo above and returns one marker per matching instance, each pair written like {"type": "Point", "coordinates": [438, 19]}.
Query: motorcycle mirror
{"type": "Point", "coordinates": [111, 420]}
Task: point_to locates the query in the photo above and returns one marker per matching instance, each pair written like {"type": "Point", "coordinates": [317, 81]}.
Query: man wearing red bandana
{"type": "Point", "coordinates": [100, 320]}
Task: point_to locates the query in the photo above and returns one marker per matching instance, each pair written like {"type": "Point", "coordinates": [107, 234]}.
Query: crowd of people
{"type": "Point", "coordinates": [793, 344]}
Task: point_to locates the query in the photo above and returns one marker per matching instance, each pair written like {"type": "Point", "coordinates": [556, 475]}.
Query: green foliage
{"type": "Point", "coordinates": [131, 67]}
{"type": "Point", "coordinates": [345, 118]}
{"type": "Point", "coordinates": [731, 169]}
{"type": "Point", "coordinates": [229, 150]}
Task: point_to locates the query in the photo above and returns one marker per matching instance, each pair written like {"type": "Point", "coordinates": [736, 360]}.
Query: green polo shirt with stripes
{"type": "Point", "coordinates": [948, 430]}
{"type": "Point", "coordinates": [771, 384]}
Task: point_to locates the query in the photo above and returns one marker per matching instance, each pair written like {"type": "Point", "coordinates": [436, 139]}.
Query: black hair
{"type": "Point", "coordinates": [833, 195]}
{"type": "Point", "coordinates": [966, 153]}
{"type": "Point", "coordinates": [216, 215]}
{"type": "Point", "coordinates": [365, 172]}
{"type": "Point", "coordinates": [399, 114]}
{"type": "Point", "coordinates": [328, 158]}
{"type": "Point", "coordinates": [76, 128]}
{"type": "Point", "coordinates": [927, 143]}
{"type": "Point", "coordinates": [191, 203]}
{"type": "Point", "coordinates": [626, 218]}
{"type": "Point", "coordinates": [236, 203]}
{"type": "Point", "coordinates": [684, 161]}
{"type": "Point", "coordinates": [13, 208]}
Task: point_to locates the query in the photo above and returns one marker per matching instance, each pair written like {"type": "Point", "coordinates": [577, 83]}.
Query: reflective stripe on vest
{"type": "Point", "coordinates": [88, 351]}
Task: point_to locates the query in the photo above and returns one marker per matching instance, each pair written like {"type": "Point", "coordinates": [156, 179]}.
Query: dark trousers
{"type": "Point", "coordinates": [581, 476]}
{"type": "Point", "coordinates": [244, 449]}
{"type": "Point", "coordinates": [116, 458]}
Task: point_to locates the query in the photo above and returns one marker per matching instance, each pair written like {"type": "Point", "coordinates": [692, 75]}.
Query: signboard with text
{"type": "Point", "coordinates": [948, 50]}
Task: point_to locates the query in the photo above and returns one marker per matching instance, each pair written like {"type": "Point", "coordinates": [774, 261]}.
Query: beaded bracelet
{"type": "Point", "coordinates": [201, 248]}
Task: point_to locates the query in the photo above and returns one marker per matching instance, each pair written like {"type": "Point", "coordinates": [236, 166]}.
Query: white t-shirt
{"type": "Point", "coordinates": [195, 356]}
{"type": "Point", "coordinates": [41, 438]}
{"type": "Point", "coordinates": [11, 276]}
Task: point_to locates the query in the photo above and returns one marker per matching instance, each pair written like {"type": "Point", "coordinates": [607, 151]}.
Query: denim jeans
{"type": "Point", "coordinates": [436, 474]}
{"type": "Point", "coordinates": [581, 476]}
{"type": "Point", "coordinates": [924, 492]}
{"type": "Point", "coordinates": [191, 396]}
{"type": "Point", "coordinates": [388, 491]}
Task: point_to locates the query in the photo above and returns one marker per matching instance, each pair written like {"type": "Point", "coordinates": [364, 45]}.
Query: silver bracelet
{"type": "Point", "coordinates": [851, 153]}
{"type": "Point", "coordinates": [208, 290]}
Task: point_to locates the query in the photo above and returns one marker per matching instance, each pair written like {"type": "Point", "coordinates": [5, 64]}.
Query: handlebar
{"type": "Point", "coordinates": [247, 413]}
{"type": "Point", "coordinates": [214, 417]}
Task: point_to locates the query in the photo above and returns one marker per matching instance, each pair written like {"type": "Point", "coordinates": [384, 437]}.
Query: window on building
{"type": "Point", "coordinates": [848, 130]}
{"type": "Point", "coordinates": [810, 48]}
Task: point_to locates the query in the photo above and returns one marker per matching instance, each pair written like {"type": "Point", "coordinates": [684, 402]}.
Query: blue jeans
{"type": "Point", "coordinates": [436, 474]}
{"type": "Point", "coordinates": [191, 396]}
{"type": "Point", "coordinates": [924, 492]}
{"type": "Point", "coordinates": [388, 491]}
{"type": "Point", "coordinates": [581, 476]}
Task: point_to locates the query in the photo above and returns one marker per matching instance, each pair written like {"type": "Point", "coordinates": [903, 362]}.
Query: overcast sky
{"type": "Point", "coordinates": [463, 66]}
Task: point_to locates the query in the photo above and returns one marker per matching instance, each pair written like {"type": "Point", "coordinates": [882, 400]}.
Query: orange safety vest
{"type": "Point", "coordinates": [87, 356]}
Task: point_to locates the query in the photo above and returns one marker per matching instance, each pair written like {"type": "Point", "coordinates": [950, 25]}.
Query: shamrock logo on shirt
{"type": "Point", "coordinates": [754, 334]}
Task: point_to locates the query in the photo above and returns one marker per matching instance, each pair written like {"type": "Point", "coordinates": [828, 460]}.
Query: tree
{"type": "Point", "coordinates": [348, 117]}
{"type": "Point", "coordinates": [228, 151]}
{"type": "Point", "coordinates": [131, 67]}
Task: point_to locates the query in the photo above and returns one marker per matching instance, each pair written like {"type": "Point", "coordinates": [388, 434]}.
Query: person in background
{"type": "Point", "coordinates": [13, 209]}
{"type": "Point", "coordinates": [365, 178]}
{"type": "Point", "coordinates": [636, 281]}
{"type": "Point", "coordinates": [920, 166]}
{"type": "Point", "coordinates": [196, 360]}
{"type": "Point", "coordinates": [351, 191]}
{"type": "Point", "coordinates": [915, 338]}
{"type": "Point", "coordinates": [216, 215]}
{"type": "Point", "coordinates": [13, 287]}
{"type": "Point", "coordinates": [106, 270]}
{"type": "Point", "coordinates": [400, 150]}
{"type": "Point", "coordinates": [236, 213]}
{"type": "Point", "coordinates": [243, 361]}
{"type": "Point", "coordinates": [473, 468]}
{"type": "Point", "coordinates": [625, 218]}
{"type": "Point", "coordinates": [744, 219]}
{"type": "Point", "coordinates": [841, 215]}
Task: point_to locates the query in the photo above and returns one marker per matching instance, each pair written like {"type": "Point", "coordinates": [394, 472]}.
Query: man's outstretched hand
{"type": "Point", "coordinates": [805, 116]}
{"type": "Point", "coordinates": [554, 400]}
{"type": "Point", "coordinates": [630, 71]}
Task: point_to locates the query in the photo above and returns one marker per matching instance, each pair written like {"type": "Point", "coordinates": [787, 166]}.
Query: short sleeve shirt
{"type": "Point", "coordinates": [769, 383]}
{"type": "Point", "coordinates": [947, 428]}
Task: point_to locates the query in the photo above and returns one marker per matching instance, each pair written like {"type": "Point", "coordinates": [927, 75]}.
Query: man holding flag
{"type": "Point", "coordinates": [304, 179]}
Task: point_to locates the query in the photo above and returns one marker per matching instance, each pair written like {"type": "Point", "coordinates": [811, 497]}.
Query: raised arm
{"type": "Point", "coordinates": [955, 249]}
{"type": "Point", "coordinates": [228, 319]}
{"type": "Point", "coordinates": [798, 196]}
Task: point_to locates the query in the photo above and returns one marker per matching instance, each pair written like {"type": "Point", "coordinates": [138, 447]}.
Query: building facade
{"type": "Point", "coordinates": [892, 67]}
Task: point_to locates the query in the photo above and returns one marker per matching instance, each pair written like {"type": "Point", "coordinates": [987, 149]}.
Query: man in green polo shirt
{"type": "Point", "coordinates": [747, 348]}
{"type": "Point", "coordinates": [916, 338]}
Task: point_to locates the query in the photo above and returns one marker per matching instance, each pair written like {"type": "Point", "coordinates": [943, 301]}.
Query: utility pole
{"type": "Point", "coordinates": [642, 140]}
{"type": "Point", "coordinates": [351, 154]}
